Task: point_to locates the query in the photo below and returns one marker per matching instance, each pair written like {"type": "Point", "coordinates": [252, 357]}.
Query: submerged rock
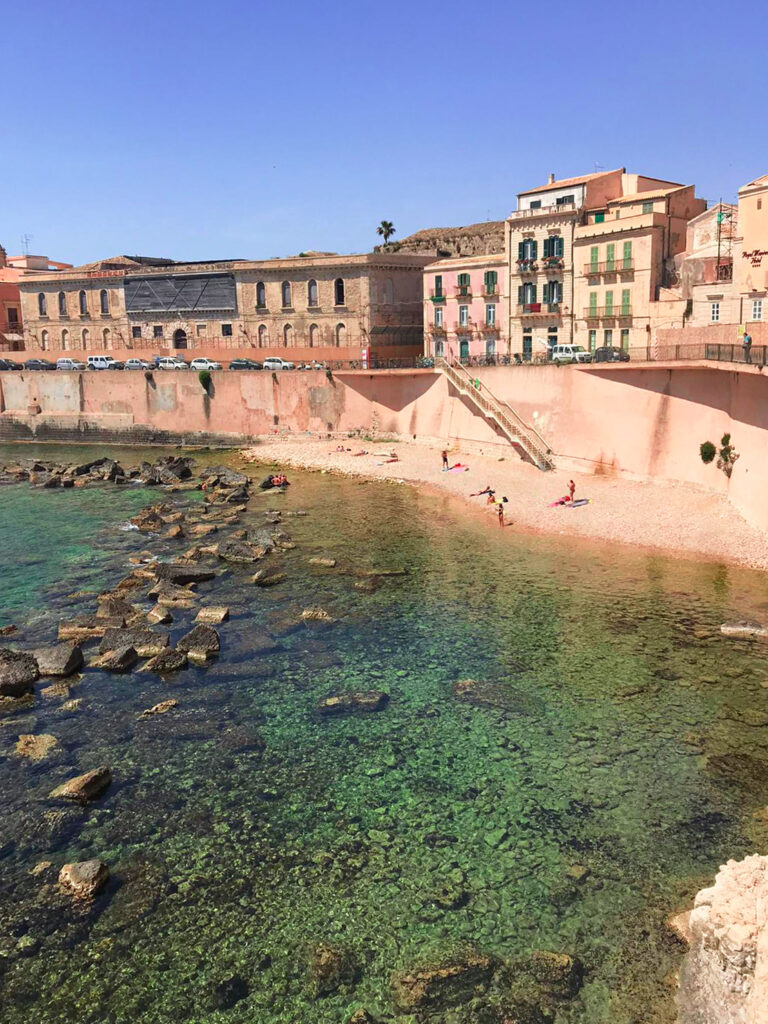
{"type": "Point", "coordinates": [167, 662]}
{"type": "Point", "coordinates": [58, 660]}
{"type": "Point", "coordinates": [160, 709]}
{"type": "Point", "coordinates": [744, 628]}
{"type": "Point", "coordinates": [202, 642]}
{"type": "Point", "coordinates": [270, 576]}
{"type": "Point", "coordinates": [355, 700]}
{"type": "Point", "coordinates": [213, 614]}
{"type": "Point", "coordinates": [317, 615]}
{"type": "Point", "coordinates": [241, 551]}
{"type": "Point", "coordinates": [84, 788]}
{"type": "Point", "coordinates": [182, 575]}
{"type": "Point", "coordinates": [18, 672]}
{"type": "Point", "coordinates": [229, 993]}
{"type": "Point", "coordinates": [543, 976]}
{"type": "Point", "coordinates": [37, 747]}
{"type": "Point", "coordinates": [502, 696]}
{"type": "Point", "coordinates": [84, 878]}
{"type": "Point", "coordinates": [431, 987]}
{"type": "Point", "coordinates": [146, 642]}
{"type": "Point", "coordinates": [724, 977]}
{"type": "Point", "coordinates": [741, 768]}
{"type": "Point", "coordinates": [330, 967]}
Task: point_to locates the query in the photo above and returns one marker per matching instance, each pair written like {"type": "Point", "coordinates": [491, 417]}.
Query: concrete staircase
{"type": "Point", "coordinates": [529, 444]}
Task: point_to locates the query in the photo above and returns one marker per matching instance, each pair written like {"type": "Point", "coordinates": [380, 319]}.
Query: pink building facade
{"type": "Point", "coordinates": [466, 308]}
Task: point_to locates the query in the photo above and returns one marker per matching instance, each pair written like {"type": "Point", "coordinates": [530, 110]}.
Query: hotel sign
{"type": "Point", "coordinates": [755, 257]}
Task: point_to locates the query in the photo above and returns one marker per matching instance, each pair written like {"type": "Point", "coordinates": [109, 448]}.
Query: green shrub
{"type": "Point", "coordinates": [708, 452]}
{"type": "Point", "coordinates": [205, 379]}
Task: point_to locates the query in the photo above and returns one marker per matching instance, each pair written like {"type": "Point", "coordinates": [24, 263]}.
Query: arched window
{"type": "Point", "coordinates": [44, 340]}
{"type": "Point", "coordinates": [263, 336]}
{"type": "Point", "coordinates": [389, 292]}
{"type": "Point", "coordinates": [42, 305]}
{"type": "Point", "coordinates": [312, 293]}
{"type": "Point", "coordinates": [314, 336]}
{"type": "Point", "coordinates": [261, 296]}
{"type": "Point", "coordinates": [287, 335]}
{"type": "Point", "coordinates": [86, 337]}
{"type": "Point", "coordinates": [104, 300]}
{"type": "Point", "coordinates": [338, 291]}
{"type": "Point", "coordinates": [107, 338]}
{"type": "Point", "coordinates": [64, 339]}
{"type": "Point", "coordinates": [286, 290]}
{"type": "Point", "coordinates": [341, 335]}
{"type": "Point", "coordinates": [62, 304]}
{"type": "Point", "coordinates": [83, 303]}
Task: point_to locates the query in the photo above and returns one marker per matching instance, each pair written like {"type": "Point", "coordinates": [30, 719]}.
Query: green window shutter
{"type": "Point", "coordinates": [593, 256]}
{"type": "Point", "coordinates": [559, 250]}
{"type": "Point", "coordinates": [545, 293]}
{"type": "Point", "coordinates": [534, 251]}
{"type": "Point", "coordinates": [492, 278]}
{"type": "Point", "coordinates": [438, 285]}
{"type": "Point", "coordinates": [625, 294]}
{"type": "Point", "coordinates": [547, 247]}
{"type": "Point", "coordinates": [608, 302]}
{"type": "Point", "coordinates": [486, 279]}
{"type": "Point", "coordinates": [521, 295]}
{"type": "Point", "coordinates": [592, 302]}
{"type": "Point", "coordinates": [610, 255]}
{"type": "Point", "coordinates": [627, 254]}
{"type": "Point", "coordinates": [599, 218]}
{"type": "Point", "coordinates": [521, 250]}
{"type": "Point", "coordinates": [533, 293]}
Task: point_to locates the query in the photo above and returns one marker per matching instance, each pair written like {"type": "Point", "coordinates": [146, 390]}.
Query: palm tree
{"type": "Point", "coordinates": [385, 229]}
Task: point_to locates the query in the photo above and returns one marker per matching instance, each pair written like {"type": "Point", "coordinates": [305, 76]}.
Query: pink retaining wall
{"type": "Point", "coordinates": [643, 421]}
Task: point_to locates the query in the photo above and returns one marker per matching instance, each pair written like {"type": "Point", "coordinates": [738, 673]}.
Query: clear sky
{"type": "Point", "coordinates": [195, 130]}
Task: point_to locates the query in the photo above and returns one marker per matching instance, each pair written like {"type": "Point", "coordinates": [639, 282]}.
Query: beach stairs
{"type": "Point", "coordinates": [526, 441]}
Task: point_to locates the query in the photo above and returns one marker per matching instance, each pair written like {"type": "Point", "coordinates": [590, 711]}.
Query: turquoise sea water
{"type": "Point", "coordinates": [623, 738]}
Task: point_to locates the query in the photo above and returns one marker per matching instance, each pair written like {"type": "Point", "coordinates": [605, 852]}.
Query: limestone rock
{"type": "Point", "coordinates": [159, 615]}
{"type": "Point", "coordinates": [680, 925]}
{"type": "Point", "coordinates": [724, 977]}
{"type": "Point", "coordinates": [202, 529]}
{"type": "Point", "coordinates": [544, 976]}
{"type": "Point", "coordinates": [83, 788]}
{"type": "Point", "coordinates": [18, 672]}
{"type": "Point", "coordinates": [37, 747]}
{"type": "Point", "coordinates": [316, 615]}
{"type": "Point", "coordinates": [146, 642]}
{"type": "Point", "coordinates": [121, 660]}
{"type": "Point", "coordinates": [431, 987]}
{"type": "Point", "coordinates": [87, 627]}
{"type": "Point", "coordinates": [166, 663]}
{"type": "Point", "coordinates": [174, 532]}
{"type": "Point", "coordinates": [84, 878]}
{"type": "Point", "coordinates": [330, 967]}
{"type": "Point", "coordinates": [114, 606]}
{"type": "Point", "coordinates": [744, 628]}
{"type": "Point", "coordinates": [326, 563]}
{"type": "Point", "coordinates": [213, 614]}
{"type": "Point", "coordinates": [182, 575]}
{"type": "Point", "coordinates": [169, 595]}
{"type": "Point", "coordinates": [355, 700]}
{"type": "Point", "coordinates": [58, 660]}
{"type": "Point", "coordinates": [269, 576]}
{"type": "Point", "coordinates": [202, 642]}
{"type": "Point", "coordinates": [159, 709]}
{"type": "Point", "coordinates": [240, 551]}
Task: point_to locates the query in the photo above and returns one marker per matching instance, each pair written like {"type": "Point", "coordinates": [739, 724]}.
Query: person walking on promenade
{"type": "Point", "coordinates": [445, 461]}
{"type": "Point", "coordinates": [746, 341]}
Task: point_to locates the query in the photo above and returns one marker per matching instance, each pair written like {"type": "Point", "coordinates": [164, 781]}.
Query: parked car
{"type": "Point", "coordinates": [276, 363]}
{"type": "Point", "coordinates": [201, 363]}
{"type": "Point", "coordinates": [65, 363]}
{"type": "Point", "coordinates": [610, 354]}
{"type": "Point", "coordinates": [104, 363]}
{"type": "Point", "coordinates": [9, 364]}
{"type": "Point", "coordinates": [172, 363]}
{"type": "Point", "coordinates": [570, 354]}
{"type": "Point", "coordinates": [39, 364]}
{"type": "Point", "coordinates": [244, 364]}
{"type": "Point", "coordinates": [137, 364]}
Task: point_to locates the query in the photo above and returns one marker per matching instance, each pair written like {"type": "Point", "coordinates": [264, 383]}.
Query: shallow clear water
{"type": "Point", "coordinates": [397, 834]}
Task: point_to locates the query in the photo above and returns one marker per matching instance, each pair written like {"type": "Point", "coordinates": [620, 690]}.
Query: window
{"type": "Point", "coordinates": [593, 258]}
{"type": "Point", "coordinates": [553, 247]}
{"type": "Point", "coordinates": [42, 306]}
{"type": "Point", "coordinates": [608, 337]}
{"type": "Point", "coordinates": [610, 256]}
{"type": "Point", "coordinates": [526, 293]}
{"type": "Point", "coordinates": [438, 316]}
{"type": "Point", "coordinates": [261, 295]}
{"type": "Point", "coordinates": [565, 200]}
{"type": "Point", "coordinates": [490, 347]}
{"type": "Point", "coordinates": [13, 315]}
{"type": "Point", "coordinates": [157, 331]}
{"type": "Point", "coordinates": [439, 348]}
{"type": "Point", "coordinates": [85, 335]}
{"type": "Point", "coordinates": [136, 333]}
{"type": "Point", "coordinates": [625, 337]}
{"type": "Point", "coordinates": [552, 292]}
{"type": "Point", "coordinates": [44, 340]}
{"type": "Point", "coordinates": [535, 204]}
{"type": "Point", "coordinates": [600, 217]}
{"type": "Point", "coordinates": [341, 335]}
{"type": "Point", "coordinates": [609, 303]}
{"type": "Point", "coordinates": [82, 303]}
{"type": "Point", "coordinates": [389, 292]}
{"type": "Point", "coordinates": [491, 282]}
{"type": "Point", "coordinates": [625, 302]}
{"type": "Point", "coordinates": [314, 336]}
{"type": "Point", "coordinates": [438, 286]}
{"type": "Point", "coordinates": [463, 316]}
{"type": "Point", "coordinates": [490, 314]}
{"type": "Point", "coordinates": [714, 312]}
{"type": "Point", "coordinates": [757, 309]}
{"type": "Point", "coordinates": [593, 303]}
{"type": "Point", "coordinates": [65, 340]}
{"type": "Point", "coordinates": [627, 260]}
{"type": "Point", "coordinates": [287, 335]}
{"type": "Point", "coordinates": [551, 336]}
{"type": "Point", "coordinates": [312, 293]}
{"type": "Point", "coordinates": [527, 249]}
{"type": "Point", "coordinates": [338, 291]}
{"type": "Point", "coordinates": [104, 300]}
{"type": "Point", "coordinates": [464, 285]}
{"type": "Point", "coordinates": [286, 294]}
{"type": "Point", "coordinates": [759, 204]}
{"type": "Point", "coordinates": [648, 206]}
{"type": "Point", "coordinates": [62, 304]}
{"type": "Point", "coordinates": [106, 338]}
{"type": "Point", "coordinates": [263, 336]}
{"type": "Point", "coordinates": [226, 330]}
{"type": "Point", "coordinates": [200, 330]}
{"type": "Point", "coordinates": [592, 340]}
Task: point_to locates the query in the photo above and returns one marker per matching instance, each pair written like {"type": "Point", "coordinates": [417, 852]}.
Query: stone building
{"type": "Point", "coordinates": [335, 306]}
{"type": "Point", "coordinates": [466, 307]}
{"type": "Point", "coordinates": [12, 270]}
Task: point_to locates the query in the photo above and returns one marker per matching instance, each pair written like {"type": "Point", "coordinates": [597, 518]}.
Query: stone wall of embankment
{"type": "Point", "coordinates": [644, 421]}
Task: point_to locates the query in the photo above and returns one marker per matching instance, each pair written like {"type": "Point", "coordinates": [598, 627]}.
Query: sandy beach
{"type": "Point", "coordinates": [673, 518]}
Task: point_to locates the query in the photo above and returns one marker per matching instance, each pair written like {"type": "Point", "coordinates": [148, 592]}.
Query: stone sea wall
{"type": "Point", "coordinates": [647, 422]}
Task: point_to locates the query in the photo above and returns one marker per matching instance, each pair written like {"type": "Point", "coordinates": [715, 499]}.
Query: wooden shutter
{"type": "Point", "coordinates": [534, 250]}
{"type": "Point", "coordinates": [557, 248]}
{"type": "Point", "coordinates": [545, 292]}
{"type": "Point", "coordinates": [521, 295]}
{"type": "Point", "coordinates": [627, 254]}
{"type": "Point", "coordinates": [608, 302]}
{"type": "Point", "coordinates": [592, 302]}
{"type": "Point", "coordinates": [547, 249]}
{"type": "Point", "coordinates": [625, 294]}
{"type": "Point", "coordinates": [593, 255]}
{"type": "Point", "coordinates": [521, 250]}
{"type": "Point", "coordinates": [610, 255]}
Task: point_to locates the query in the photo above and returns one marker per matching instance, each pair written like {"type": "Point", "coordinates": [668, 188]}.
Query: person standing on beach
{"type": "Point", "coordinates": [445, 461]}
{"type": "Point", "coordinates": [571, 489]}
{"type": "Point", "coordinates": [500, 510]}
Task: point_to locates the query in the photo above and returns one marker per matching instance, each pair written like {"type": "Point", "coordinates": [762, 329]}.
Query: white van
{"type": "Point", "coordinates": [69, 364]}
{"type": "Point", "coordinates": [103, 363]}
{"type": "Point", "coordinates": [172, 363]}
{"type": "Point", "coordinates": [570, 354]}
{"type": "Point", "coordinates": [276, 363]}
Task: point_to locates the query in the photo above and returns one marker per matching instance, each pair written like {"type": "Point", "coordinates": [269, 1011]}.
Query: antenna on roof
{"type": "Point", "coordinates": [599, 167]}
{"type": "Point", "coordinates": [25, 240]}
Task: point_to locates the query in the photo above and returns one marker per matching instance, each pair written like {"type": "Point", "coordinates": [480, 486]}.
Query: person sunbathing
{"type": "Point", "coordinates": [487, 490]}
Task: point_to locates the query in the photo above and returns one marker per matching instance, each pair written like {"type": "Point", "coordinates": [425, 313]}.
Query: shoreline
{"type": "Point", "coordinates": [659, 517]}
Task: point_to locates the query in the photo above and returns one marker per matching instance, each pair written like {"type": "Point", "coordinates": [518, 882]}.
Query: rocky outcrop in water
{"type": "Point", "coordinates": [18, 672]}
{"type": "Point", "coordinates": [330, 967]}
{"type": "Point", "coordinates": [59, 659]}
{"type": "Point", "coordinates": [201, 643]}
{"type": "Point", "coordinates": [84, 878]}
{"type": "Point", "coordinates": [355, 700]}
{"type": "Point", "coordinates": [433, 987]}
{"type": "Point", "coordinates": [84, 788]}
{"type": "Point", "coordinates": [724, 978]}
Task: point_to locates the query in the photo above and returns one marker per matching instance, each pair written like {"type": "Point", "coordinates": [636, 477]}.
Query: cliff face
{"type": "Point", "coordinates": [484, 239]}
{"type": "Point", "coordinates": [724, 978]}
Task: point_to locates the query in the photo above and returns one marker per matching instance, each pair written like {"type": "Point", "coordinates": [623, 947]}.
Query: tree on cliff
{"type": "Point", "coordinates": [386, 229]}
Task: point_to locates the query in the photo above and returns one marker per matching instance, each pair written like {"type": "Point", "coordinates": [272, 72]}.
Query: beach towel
{"type": "Point", "coordinates": [579, 502]}
{"type": "Point", "coordinates": [458, 468]}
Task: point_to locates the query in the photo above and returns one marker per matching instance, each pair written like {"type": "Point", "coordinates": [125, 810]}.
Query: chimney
{"type": "Point", "coordinates": [551, 179]}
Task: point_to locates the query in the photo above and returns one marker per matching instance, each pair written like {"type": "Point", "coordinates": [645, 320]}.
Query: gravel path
{"type": "Point", "coordinates": [679, 519]}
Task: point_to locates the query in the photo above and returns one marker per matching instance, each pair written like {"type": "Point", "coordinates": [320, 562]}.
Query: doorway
{"type": "Point", "coordinates": [180, 338]}
{"type": "Point", "coordinates": [463, 351]}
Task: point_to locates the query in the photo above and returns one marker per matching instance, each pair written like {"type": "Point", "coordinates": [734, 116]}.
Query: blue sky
{"type": "Point", "coordinates": [197, 130]}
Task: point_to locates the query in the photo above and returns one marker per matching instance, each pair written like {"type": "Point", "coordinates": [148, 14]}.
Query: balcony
{"type": "Point", "coordinates": [462, 328]}
{"type": "Point", "coordinates": [608, 313]}
{"type": "Point", "coordinates": [486, 328]}
{"type": "Point", "coordinates": [490, 291]}
{"type": "Point", "coordinates": [436, 329]}
{"type": "Point", "coordinates": [621, 266]}
{"type": "Point", "coordinates": [437, 296]}
{"type": "Point", "coordinates": [539, 309]}
{"type": "Point", "coordinates": [527, 266]}
{"type": "Point", "coordinates": [11, 327]}
{"type": "Point", "coordinates": [725, 271]}
{"type": "Point", "coordinates": [463, 291]}
{"type": "Point", "coordinates": [552, 263]}
{"type": "Point", "coordinates": [543, 211]}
